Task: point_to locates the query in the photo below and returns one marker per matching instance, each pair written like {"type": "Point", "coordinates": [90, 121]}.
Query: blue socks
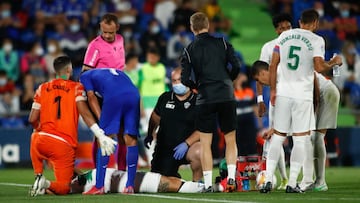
{"type": "Point", "coordinates": [101, 165]}
{"type": "Point", "coordinates": [131, 160]}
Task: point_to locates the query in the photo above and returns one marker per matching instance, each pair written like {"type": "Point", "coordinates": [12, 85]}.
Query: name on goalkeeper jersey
{"type": "Point", "coordinates": [297, 37]}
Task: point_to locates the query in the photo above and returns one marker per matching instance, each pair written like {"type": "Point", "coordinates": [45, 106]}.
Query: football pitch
{"type": "Point", "coordinates": [344, 186]}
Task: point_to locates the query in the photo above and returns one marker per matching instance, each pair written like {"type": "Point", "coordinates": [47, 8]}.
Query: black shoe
{"type": "Point", "coordinates": [267, 188]}
{"type": "Point", "coordinates": [210, 189]}
{"type": "Point", "coordinates": [296, 189]}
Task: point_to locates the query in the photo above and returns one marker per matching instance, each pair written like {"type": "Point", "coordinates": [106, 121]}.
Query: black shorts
{"type": "Point", "coordinates": [164, 163]}
{"type": "Point", "coordinates": [223, 113]}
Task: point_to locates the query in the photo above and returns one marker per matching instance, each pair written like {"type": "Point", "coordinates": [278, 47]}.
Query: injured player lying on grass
{"type": "Point", "coordinates": [145, 182]}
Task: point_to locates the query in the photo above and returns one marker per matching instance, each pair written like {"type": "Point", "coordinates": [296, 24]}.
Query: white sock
{"type": "Point", "coordinates": [297, 158]}
{"type": "Point", "coordinates": [320, 158]}
{"type": "Point", "coordinates": [273, 155]}
{"type": "Point", "coordinates": [191, 187]}
{"type": "Point", "coordinates": [231, 171]}
{"type": "Point", "coordinates": [308, 164]}
{"type": "Point", "coordinates": [281, 164]}
{"type": "Point", "coordinates": [207, 178]}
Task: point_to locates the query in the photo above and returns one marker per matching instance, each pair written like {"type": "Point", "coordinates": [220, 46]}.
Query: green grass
{"type": "Point", "coordinates": [343, 187]}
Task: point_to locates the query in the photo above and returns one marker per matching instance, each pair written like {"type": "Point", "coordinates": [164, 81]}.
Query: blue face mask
{"type": "Point", "coordinates": [180, 89]}
{"type": "Point", "coordinates": [345, 13]}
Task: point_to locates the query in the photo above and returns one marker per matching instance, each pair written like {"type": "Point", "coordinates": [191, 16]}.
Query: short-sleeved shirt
{"type": "Point", "coordinates": [177, 119]}
{"type": "Point", "coordinates": [102, 54]}
{"type": "Point", "coordinates": [121, 99]}
{"type": "Point", "coordinates": [297, 49]}
{"type": "Point", "coordinates": [267, 50]}
{"type": "Point", "coordinates": [59, 115]}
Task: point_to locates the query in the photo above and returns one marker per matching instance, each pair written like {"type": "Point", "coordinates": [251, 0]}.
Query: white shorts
{"type": "Point", "coordinates": [293, 115]}
{"type": "Point", "coordinates": [326, 117]}
{"type": "Point", "coordinates": [150, 183]}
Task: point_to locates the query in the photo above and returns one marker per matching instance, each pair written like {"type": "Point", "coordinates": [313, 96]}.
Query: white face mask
{"type": "Point", "coordinates": [51, 48]}
{"type": "Point", "coordinates": [320, 12]}
{"type": "Point", "coordinates": [7, 47]}
{"type": "Point", "coordinates": [74, 28]}
{"type": "Point", "coordinates": [3, 81]}
{"type": "Point", "coordinates": [39, 51]}
{"type": "Point", "coordinates": [155, 29]}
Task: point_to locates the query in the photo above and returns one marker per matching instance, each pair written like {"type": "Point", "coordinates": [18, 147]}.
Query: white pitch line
{"type": "Point", "coordinates": [15, 184]}
{"type": "Point", "coordinates": [191, 199]}
{"type": "Point", "coordinates": [202, 199]}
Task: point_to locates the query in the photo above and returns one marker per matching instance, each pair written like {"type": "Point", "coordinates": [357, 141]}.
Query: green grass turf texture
{"type": "Point", "coordinates": [343, 187]}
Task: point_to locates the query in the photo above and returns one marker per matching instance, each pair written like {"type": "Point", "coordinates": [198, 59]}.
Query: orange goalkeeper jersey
{"type": "Point", "coordinates": [59, 115]}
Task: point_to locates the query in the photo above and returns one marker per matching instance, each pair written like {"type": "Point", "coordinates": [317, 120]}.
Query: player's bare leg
{"type": "Point", "coordinates": [193, 156]}
{"type": "Point", "coordinates": [231, 156]}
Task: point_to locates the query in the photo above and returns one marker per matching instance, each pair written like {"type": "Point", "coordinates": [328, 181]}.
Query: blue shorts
{"type": "Point", "coordinates": [121, 112]}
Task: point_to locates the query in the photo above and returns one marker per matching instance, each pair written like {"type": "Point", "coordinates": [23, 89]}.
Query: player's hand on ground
{"type": "Point", "coordinates": [147, 141]}
{"type": "Point", "coordinates": [107, 145]}
{"type": "Point", "coordinates": [180, 150]}
{"type": "Point", "coordinates": [262, 109]}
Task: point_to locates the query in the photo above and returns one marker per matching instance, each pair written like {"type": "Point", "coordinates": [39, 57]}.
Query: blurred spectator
{"type": "Point", "coordinates": [9, 60]}
{"type": "Point", "coordinates": [149, 7]}
{"type": "Point", "coordinates": [74, 42]}
{"type": "Point", "coordinates": [176, 44]}
{"type": "Point", "coordinates": [215, 28]}
{"type": "Point", "coordinates": [164, 10]}
{"type": "Point", "coordinates": [246, 119]}
{"type": "Point", "coordinates": [99, 8]}
{"type": "Point", "coordinates": [350, 69]}
{"type": "Point", "coordinates": [132, 68]}
{"type": "Point", "coordinates": [182, 15]}
{"type": "Point", "coordinates": [9, 21]}
{"type": "Point", "coordinates": [36, 33]}
{"type": "Point", "coordinates": [28, 92]}
{"type": "Point", "coordinates": [33, 62]}
{"type": "Point", "coordinates": [9, 95]}
{"type": "Point", "coordinates": [125, 11]}
{"type": "Point", "coordinates": [326, 28]}
{"type": "Point", "coordinates": [152, 85]}
{"type": "Point", "coordinates": [298, 6]}
{"type": "Point", "coordinates": [153, 38]}
{"type": "Point", "coordinates": [49, 12]}
{"type": "Point", "coordinates": [280, 6]}
{"type": "Point", "coordinates": [77, 9]}
{"type": "Point", "coordinates": [349, 80]}
{"type": "Point", "coordinates": [53, 51]}
{"type": "Point", "coordinates": [212, 9]}
{"type": "Point", "coordinates": [346, 25]}
{"type": "Point", "coordinates": [131, 41]}
{"type": "Point", "coordinates": [59, 32]}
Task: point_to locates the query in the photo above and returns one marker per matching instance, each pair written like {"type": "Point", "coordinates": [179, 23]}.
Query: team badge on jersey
{"type": "Point", "coordinates": [187, 105]}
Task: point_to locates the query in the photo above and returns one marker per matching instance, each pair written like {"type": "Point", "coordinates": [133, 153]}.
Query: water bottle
{"type": "Point", "coordinates": [336, 69]}
{"type": "Point", "coordinates": [246, 181]}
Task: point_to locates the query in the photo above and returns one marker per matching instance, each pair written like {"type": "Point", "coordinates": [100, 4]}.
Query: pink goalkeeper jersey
{"type": "Point", "coordinates": [102, 54]}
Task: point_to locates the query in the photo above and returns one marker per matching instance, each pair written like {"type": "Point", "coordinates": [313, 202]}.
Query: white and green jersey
{"type": "Point", "coordinates": [267, 50]}
{"type": "Point", "coordinates": [297, 49]}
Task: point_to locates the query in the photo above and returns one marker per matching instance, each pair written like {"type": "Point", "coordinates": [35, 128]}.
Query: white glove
{"type": "Point", "coordinates": [107, 145]}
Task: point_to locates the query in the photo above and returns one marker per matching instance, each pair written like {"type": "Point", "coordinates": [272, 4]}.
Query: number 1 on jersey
{"type": "Point", "coordinates": [58, 101]}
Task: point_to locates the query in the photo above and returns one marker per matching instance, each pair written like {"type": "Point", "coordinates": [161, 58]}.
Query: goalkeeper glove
{"type": "Point", "coordinates": [107, 144]}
